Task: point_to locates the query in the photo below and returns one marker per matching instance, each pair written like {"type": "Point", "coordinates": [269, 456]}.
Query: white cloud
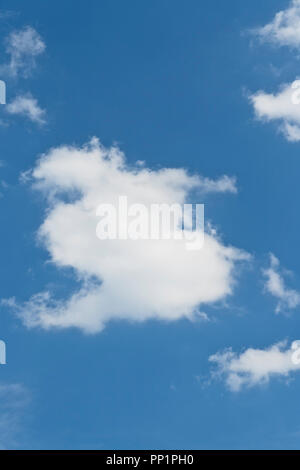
{"type": "Point", "coordinates": [27, 106]}
{"type": "Point", "coordinates": [256, 366]}
{"type": "Point", "coordinates": [122, 279]}
{"type": "Point", "coordinates": [275, 285]}
{"type": "Point", "coordinates": [23, 46]}
{"type": "Point", "coordinates": [283, 107]}
{"type": "Point", "coordinates": [284, 29]}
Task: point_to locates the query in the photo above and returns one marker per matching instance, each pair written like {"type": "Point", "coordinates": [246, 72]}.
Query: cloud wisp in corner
{"type": "Point", "coordinates": [14, 400]}
{"type": "Point", "coordinates": [284, 29]}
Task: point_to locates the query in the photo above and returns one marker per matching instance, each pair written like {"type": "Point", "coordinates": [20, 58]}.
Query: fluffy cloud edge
{"type": "Point", "coordinates": [284, 29]}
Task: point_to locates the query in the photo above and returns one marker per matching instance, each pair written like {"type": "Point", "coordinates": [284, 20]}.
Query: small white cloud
{"type": "Point", "coordinates": [256, 366]}
{"type": "Point", "coordinates": [274, 284]}
{"type": "Point", "coordinates": [284, 29]}
{"type": "Point", "coordinates": [23, 47]}
{"type": "Point", "coordinates": [132, 280]}
{"type": "Point", "coordinates": [283, 107]}
{"type": "Point", "coordinates": [27, 106]}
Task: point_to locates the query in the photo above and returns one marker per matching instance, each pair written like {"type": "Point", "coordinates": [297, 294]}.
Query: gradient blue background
{"type": "Point", "coordinates": [168, 81]}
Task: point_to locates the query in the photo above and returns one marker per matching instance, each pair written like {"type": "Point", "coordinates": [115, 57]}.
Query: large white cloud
{"type": "Point", "coordinates": [122, 279]}
{"type": "Point", "coordinates": [284, 29]}
{"type": "Point", "coordinates": [283, 107]}
{"type": "Point", "coordinates": [256, 366]}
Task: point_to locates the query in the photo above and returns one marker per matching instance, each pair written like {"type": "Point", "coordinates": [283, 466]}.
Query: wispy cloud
{"type": "Point", "coordinates": [26, 105]}
{"type": "Point", "coordinates": [225, 184]}
{"type": "Point", "coordinates": [23, 46]}
{"type": "Point", "coordinates": [14, 399]}
{"type": "Point", "coordinates": [275, 285]}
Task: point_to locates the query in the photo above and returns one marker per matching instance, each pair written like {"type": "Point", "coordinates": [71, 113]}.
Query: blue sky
{"type": "Point", "coordinates": [195, 86]}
